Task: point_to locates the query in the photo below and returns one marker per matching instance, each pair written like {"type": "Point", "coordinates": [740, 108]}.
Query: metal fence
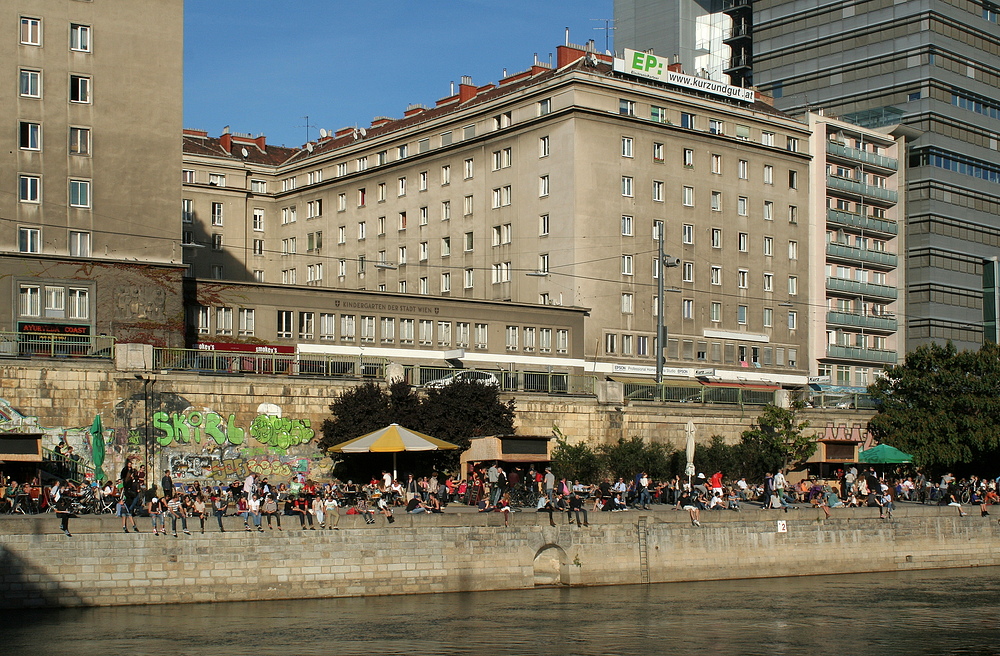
{"type": "Point", "coordinates": [240, 363]}
{"type": "Point", "coordinates": [636, 391]}
{"type": "Point", "coordinates": [541, 382]}
{"type": "Point", "coordinates": [60, 345]}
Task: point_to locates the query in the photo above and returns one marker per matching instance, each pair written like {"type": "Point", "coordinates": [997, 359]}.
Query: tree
{"type": "Point", "coordinates": [626, 458]}
{"type": "Point", "coordinates": [942, 407]}
{"type": "Point", "coordinates": [577, 462]}
{"type": "Point", "coordinates": [454, 413]}
{"type": "Point", "coordinates": [775, 441]}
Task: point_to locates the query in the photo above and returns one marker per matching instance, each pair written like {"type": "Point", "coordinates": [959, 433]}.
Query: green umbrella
{"type": "Point", "coordinates": [97, 447]}
{"type": "Point", "coordinates": [883, 454]}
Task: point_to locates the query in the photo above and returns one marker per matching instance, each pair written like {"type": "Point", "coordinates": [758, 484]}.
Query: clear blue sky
{"type": "Point", "coordinates": [261, 66]}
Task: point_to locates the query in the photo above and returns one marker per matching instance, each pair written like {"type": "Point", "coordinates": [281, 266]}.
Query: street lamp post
{"type": "Point", "coordinates": [665, 262]}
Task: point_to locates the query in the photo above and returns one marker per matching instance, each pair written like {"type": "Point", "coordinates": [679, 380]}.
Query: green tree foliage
{"type": "Point", "coordinates": [577, 462]}
{"type": "Point", "coordinates": [775, 441]}
{"type": "Point", "coordinates": [718, 456]}
{"type": "Point", "coordinates": [454, 413]}
{"type": "Point", "coordinates": [626, 458]}
{"type": "Point", "coordinates": [942, 407]}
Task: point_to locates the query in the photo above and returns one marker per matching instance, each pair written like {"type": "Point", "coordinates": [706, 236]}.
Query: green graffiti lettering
{"type": "Point", "coordinates": [234, 432]}
{"type": "Point", "coordinates": [213, 427]}
{"type": "Point", "coordinates": [161, 422]}
{"type": "Point", "coordinates": [181, 431]}
{"type": "Point", "coordinates": [196, 421]}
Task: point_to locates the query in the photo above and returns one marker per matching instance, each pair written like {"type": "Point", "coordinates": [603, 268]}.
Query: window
{"type": "Point", "coordinates": [626, 107]}
{"type": "Point", "coordinates": [687, 271]}
{"type": "Point", "coordinates": [544, 106]}
{"type": "Point", "coordinates": [31, 31]}
{"type": "Point", "coordinates": [79, 193]}
{"type": "Point", "coordinates": [716, 278]}
{"type": "Point", "coordinates": [627, 186]}
{"type": "Point", "coordinates": [742, 206]}
{"type": "Point", "coordinates": [543, 186]}
{"type": "Point", "coordinates": [470, 278]}
{"type": "Point", "coordinates": [287, 184]}
{"type": "Point", "coordinates": [342, 234]}
{"type": "Point", "coordinates": [501, 159]}
{"type": "Point", "coordinates": [445, 175]}
{"type": "Point", "coordinates": [402, 151]}
{"type": "Point", "coordinates": [314, 208]}
{"type": "Point", "coordinates": [768, 246]}
{"type": "Point", "coordinates": [422, 216]}
{"type": "Point", "coordinates": [716, 237]}
{"type": "Point", "coordinates": [767, 138]}
{"type": "Point", "coordinates": [468, 169]}
{"type": "Point", "coordinates": [445, 246]}
{"type": "Point", "coordinates": [628, 303]}
{"type": "Point", "coordinates": [741, 314]}
{"type": "Point", "coordinates": [743, 242]}
{"type": "Point", "coordinates": [401, 221]}
{"type": "Point", "coordinates": [30, 136]}
{"type": "Point", "coordinates": [793, 285]}
{"type": "Point", "coordinates": [247, 321]}
{"type": "Point", "coordinates": [401, 187]}
{"type": "Point", "coordinates": [187, 176]}
{"type": "Point", "coordinates": [31, 84]}
{"type": "Point", "coordinates": [341, 203]}
{"type": "Point", "coordinates": [658, 114]}
{"type": "Point", "coordinates": [543, 146]}
{"type": "Point", "coordinates": [793, 179]}
{"type": "Point", "coordinates": [717, 164]}
{"type": "Point", "coordinates": [687, 120]}
{"type": "Point", "coordinates": [742, 278]}
{"type": "Point", "coordinates": [501, 272]}
{"type": "Point", "coordinates": [223, 321]}
{"type": "Point", "coordinates": [258, 246]}
{"type": "Point", "coordinates": [793, 214]}
{"type": "Point", "coordinates": [216, 214]}
{"type": "Point", "coordinates": [627, 147]}
{"type": "Point", "coordinates": [687, 233]}
{"type": "Point", "coordinates": [258, 275]}
{"type": "Point", "coordinates": [793, 250]}
{"type": "Point", "coordinates": [657, 191]}
{"type": "Point", "coordinates": [380, 192]}
{"type": "Point", "coordinates": [502, 121]}
{"type": "Point", "coordinates": [258, 187]}
{"type": "Point", "coordinates": [657, 152]}
{"type": "Point", "coordinates": [445, 282]}
{"type": "Point", "coordinates": [768, 282]}
{"type": "Point", "coordinates": [30, 301]}
{"type": "Point", "coordinates": [218, 272]}
{"type": "Point", "coordinates": [610, 343]}
{"type": "Point", "coordinates": [79, 243]}
{"type": "Point", "coordinates": [29, 240]}
{"type": "Point", "coordinates": [79, 303]}
{"type": "Point", "coordinates": [626, 225]}
{"type": "Point", "coordinates": [79, 144]}
{"type": "Point", "coordinates": [258, 220]}
{"type": "Point", "coordinates": [768, 174]}
{"type": "Point", "coordinates": [543, 263]}
{"type": "Point", "coordinates": [792, 325]}
{"type": "Point", "coordinates": [658, 230]}
{"type": "Point", "coordinates": [467, 206]}
{"type": "Point", "coordinates": [388, 329]}
{"type": "Point", "coordinates": [288, 246]}
{"type": "Point", "coordinates": [626, 265]}
{"type": "Point", "coordinates": [543, 225]}
{"type": "Point", "coordinates": [79, 37]}
{"type": "Point", "coordinates": [715, 311]}
{"type": "Point", "coordinates": [29, 188]}
{"type": "Point", "coordinates": [202, 319]}
{"type": "Point", "coordinates": [688, 197]}
{"type": "Point", "coordinates": [422, 251]}
{"type": "Point", "coordinates": [715, 126]}
{"type": "Point", "coordinates": [79, 89]}
{"type": "Point", "coordinates": [768, 210]}
{"type": "Point", "coordinates": [768, 317]}
{"type": "Point", "coordinates": [285, 323]}
{"type": "Point", "coordinates": [545, 340]}
{"type": "Point", "coordinates": [792, 145]}
{"type": "Point", "coordinates": [744, 169]}
{"type": "Point", "coordinates": [216, 241]}
{"type": "Point", "coordinates": [716, 201]}
{"type": "Point", "coordinates": [688, 159]}
{"type": "Point", "coordinates": [687, 308]}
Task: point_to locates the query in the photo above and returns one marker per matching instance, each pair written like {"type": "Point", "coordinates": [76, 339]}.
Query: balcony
{"type": "Point", "coordinates": [857, 155]}
{"type": "Point", "coordinates": [856, 353]}
{"type": "Point", "coordinates": [860, 189]}
{"type": "Point", "coordinates": [866, 289]}
{"type": "Point", "coordinates": [863, 321]}
{"type": "Point", "coordinates": [866, 223]}
{"type": "Point", "coordinates": [845, 252]}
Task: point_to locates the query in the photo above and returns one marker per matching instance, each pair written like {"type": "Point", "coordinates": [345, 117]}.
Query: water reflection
{"type": "Point", "coordinates": [939, 612]}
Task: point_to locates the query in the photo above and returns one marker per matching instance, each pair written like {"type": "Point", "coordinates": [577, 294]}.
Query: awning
{"type": "Point", "coordinates": [671, 382]}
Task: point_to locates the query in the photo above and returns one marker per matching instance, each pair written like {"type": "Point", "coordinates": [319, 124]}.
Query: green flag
{"type": "Point", "coordinates": [97, 447]}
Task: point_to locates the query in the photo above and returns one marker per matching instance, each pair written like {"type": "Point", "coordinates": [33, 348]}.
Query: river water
{"type": "Point", "coordinates": [931, 612]}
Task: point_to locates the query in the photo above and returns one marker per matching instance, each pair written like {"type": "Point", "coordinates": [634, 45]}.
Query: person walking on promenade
{"type": "Point", "coordinates": [60, 499]}
{"type": "Point", "coordinates": [155, 510]}
{"type": "Point", "coordinates": [642, 491]}
{"type": "Point", "coordinates": [331, 510]}
{"type": "Point", "coordinates": [122, 510]}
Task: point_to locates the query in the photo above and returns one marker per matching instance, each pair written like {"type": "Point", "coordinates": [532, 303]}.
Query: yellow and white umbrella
{"type": "Point", "coordinates": [392, 439]}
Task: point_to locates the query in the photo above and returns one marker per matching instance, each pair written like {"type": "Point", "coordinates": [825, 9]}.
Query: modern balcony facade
{"type": "Point", "coordinates": [882, 227]}
{"type": "Point", "coordinates": [860, 189]}
{"type": "Point", "coordinates": [843, 252]}
{"type": "Point", "coordinates": [863, 321]}
{"type": "Point", "coordinates": [865, 289]}
{"type": "Point", "coordinates": [862, 156]}
{"type": "Point", "coordinates": [856, 353]}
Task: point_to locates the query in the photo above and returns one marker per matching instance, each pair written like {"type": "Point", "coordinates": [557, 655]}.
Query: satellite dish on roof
{"type": "Point", "coordinates": [323, 133]}
{"type": "Point", "coordinates": [246, 153]}
{"type": "Point", "coordinates": [309, 147]}
{"type": "Point", "coordinates": [363, 132]}
{"type": "Point", "coordinates": [356, 134]}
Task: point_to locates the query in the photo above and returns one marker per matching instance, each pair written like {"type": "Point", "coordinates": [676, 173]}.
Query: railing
{"type": "Point", "coordinates": [72, 468]}
{"type": "Point", "coordinates": [634, 391]}
{"type": "Point", "coordinates": [844, 251]}
{"type": "Point", "coordinates": [861, 189]}
{"type": "Point", "coordinates": [56, 346]}
{"type": "Point", "coordinates": [858, 353]}
{"type": "Point", "coordinates": [861, 321]}
{"type": "Point", "coordinates": [861, 288]}
{"type": "Point", "coordinates": [869, 223]}
{"type": "Point", "coordinates": [506, 381]}
{"type": "Point", "coordinates": [852, 401]}
{"type": "Point", "coordinates": [859, 155]}
{"type": "Point", "coordinates": [239, 363]}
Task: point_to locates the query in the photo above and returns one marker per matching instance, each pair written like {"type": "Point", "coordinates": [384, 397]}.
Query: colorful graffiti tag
{"type": "Point", "coordinates": [195, 426]}
{"type": "Point", "coordinates": [187, 466]}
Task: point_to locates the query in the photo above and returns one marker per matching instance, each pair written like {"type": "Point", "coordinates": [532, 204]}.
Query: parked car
{"type": "Point", "coordinates": [473, 375]}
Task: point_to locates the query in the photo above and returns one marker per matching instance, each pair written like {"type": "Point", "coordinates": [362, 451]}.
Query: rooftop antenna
{"type": "Point", "coordinates": [608, 29]}
{"type": "Point", "coordinates": [306, 126]}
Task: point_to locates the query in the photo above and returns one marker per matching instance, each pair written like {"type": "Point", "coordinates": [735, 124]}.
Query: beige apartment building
{"type": "Point", "coordinates": [90, 238]}
{"type": "Point", "coordinates": [550, 189]}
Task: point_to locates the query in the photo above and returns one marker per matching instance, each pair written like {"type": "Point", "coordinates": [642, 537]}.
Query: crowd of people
{"type": "Point", "coordinates": [308, 505]}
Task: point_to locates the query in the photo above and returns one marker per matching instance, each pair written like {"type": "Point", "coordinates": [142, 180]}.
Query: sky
{"type": "Point", "coordinates": [262, 66]}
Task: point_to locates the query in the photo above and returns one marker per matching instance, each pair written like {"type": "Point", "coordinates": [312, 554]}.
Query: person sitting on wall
{"type": "Point", "coordinates": [503, 506]}
{"type": "Point", "coordinates": [575, 508]}
{"type": "Point", "coordinates": [415, 506]}
{"type": "Point", "coordinates": [689, 503]}
{"type": "Point", "coordinates": [545, 505]}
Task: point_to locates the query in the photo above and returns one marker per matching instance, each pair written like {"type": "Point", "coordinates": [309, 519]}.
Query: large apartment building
{"type": "Point", "coordinates": [89, 234]}
{"type": "Point", "coordinates": [551, 189]}
{"type": "Point", "coordinates": [932, 66]}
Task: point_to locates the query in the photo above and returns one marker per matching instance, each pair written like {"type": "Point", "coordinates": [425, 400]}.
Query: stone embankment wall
{"type": "Point", "coordinates": [462, 552]}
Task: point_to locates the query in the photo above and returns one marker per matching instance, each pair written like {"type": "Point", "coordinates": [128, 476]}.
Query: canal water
{"type": "Point", "coordinates": [937, 612]}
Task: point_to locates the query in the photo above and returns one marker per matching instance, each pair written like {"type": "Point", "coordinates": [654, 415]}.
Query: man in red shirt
{"type": "Point", "coordinates": [715, 482]}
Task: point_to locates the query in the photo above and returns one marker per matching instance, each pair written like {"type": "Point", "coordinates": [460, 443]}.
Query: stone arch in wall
{"type": "Point", "coordinates": [550, 565]}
